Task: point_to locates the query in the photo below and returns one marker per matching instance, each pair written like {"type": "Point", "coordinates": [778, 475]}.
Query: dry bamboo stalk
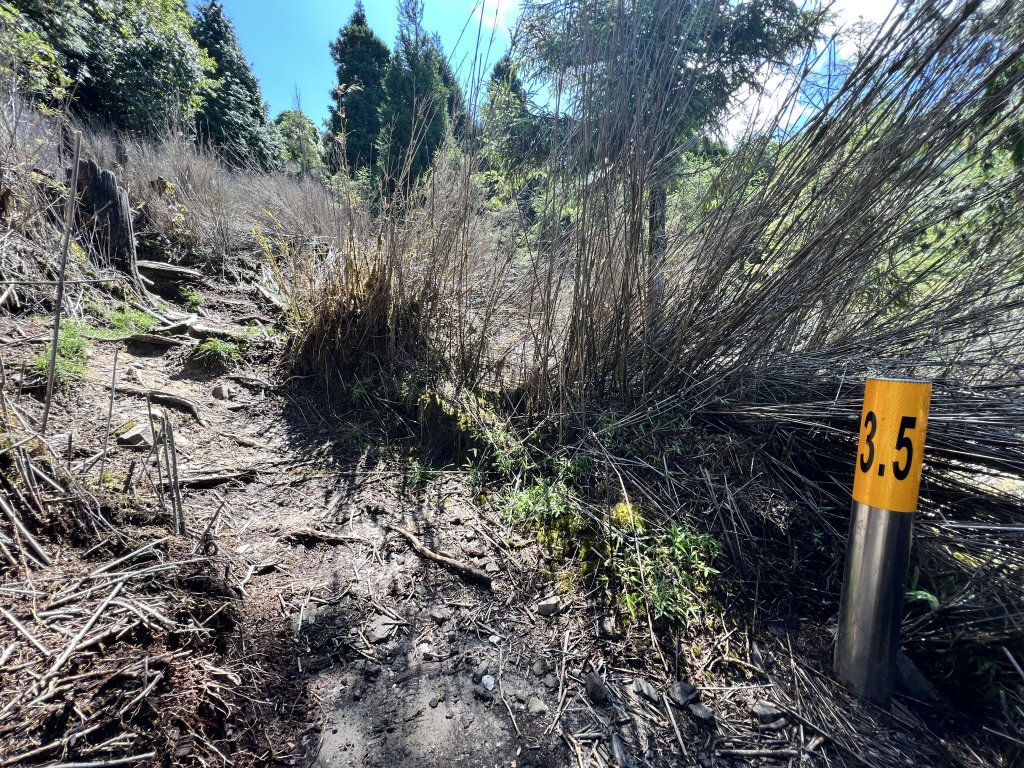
{"type": "Point", "coordinates": [37, 552]}
{"type": "Point", "coordinates": [69, 224]}
{"type": "Point", "coordinates": [110, 415]}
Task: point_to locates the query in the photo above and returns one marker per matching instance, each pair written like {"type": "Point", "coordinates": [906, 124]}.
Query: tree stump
{"type": "Point", "coordinates": [105, 209]}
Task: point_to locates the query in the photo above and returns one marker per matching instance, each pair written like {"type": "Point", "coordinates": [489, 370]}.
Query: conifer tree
{"type": "Point", "coordinates": [301, 139]}
{"type": "Point", "coordinates": [361, 59]}
{"type": "Point", "coordinates": [414, 113]}
{"type": "Point", "coordinates": [134, 63]}
{"type": "Point", "coordinates": [233, 119]}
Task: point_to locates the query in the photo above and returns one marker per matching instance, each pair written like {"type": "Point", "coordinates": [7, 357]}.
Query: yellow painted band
{"type": "Point", "coordinates": [890, 452]}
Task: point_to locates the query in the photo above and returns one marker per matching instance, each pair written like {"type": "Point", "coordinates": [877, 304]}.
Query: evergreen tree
{"type": "Point", "coordinates": [234, 116]}
{"type": "Point", "coordinates": [301, 139]}
{"type": "Point", "coordinates": [414, 113]}
{"type": "Point", "coordinates": [457, 116]}
{"type": "Point", "coordinates": [361, 59]}
{"type": "Point", "coordinates": [135, 62]}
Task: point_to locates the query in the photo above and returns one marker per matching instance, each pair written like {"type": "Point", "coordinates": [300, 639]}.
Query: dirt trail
{"type": "Point", "coordinates": [370, 654]}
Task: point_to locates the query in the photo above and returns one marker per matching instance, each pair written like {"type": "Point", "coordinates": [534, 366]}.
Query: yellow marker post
{"type": "Point", "coordinates": [887, 480]}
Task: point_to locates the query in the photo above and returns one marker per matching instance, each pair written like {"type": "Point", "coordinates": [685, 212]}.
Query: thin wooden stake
{"type": "Point", "coordinates": [69, 224]}
{"type": "Point", "coordinates": [110, 415]}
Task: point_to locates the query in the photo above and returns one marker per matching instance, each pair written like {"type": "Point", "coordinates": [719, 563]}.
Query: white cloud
{"type": "Point", "coordinates": [757, 111]}
{"type": "Point", "coordinates": [497, 14]}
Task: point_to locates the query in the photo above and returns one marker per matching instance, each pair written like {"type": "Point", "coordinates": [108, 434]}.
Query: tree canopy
{"type": "Point", "coordinates": [361, 59]}
{"type": "Point", "coordinates": [414, 112]}
{"type": "Point", "coordinates": [233, 118]}
{"type": "Point", "coordinates": [301, 140]}
{"type": "Point", "coordinates": [135, 63]}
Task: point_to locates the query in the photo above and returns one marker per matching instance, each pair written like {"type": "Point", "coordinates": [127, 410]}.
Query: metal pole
{"type": "Point", "coordinates": [886, 484]}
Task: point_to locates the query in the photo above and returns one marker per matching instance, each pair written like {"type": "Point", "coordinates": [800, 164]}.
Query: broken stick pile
{"type": "Point", "coordinates": [105, 658]}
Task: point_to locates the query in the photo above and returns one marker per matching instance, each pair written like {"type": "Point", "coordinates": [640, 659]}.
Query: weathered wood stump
{"type": "Point", "coordinates": [104, 208]}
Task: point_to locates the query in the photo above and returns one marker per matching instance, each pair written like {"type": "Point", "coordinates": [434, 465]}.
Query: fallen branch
{"type": "Point", "coordinates": [217, 478]}
{"type": "Point", "coordinates": [311, 536]}
{"type": "Point", "coordinates": [145, 338]}
{"type": "Point", "coordinates": [470, 572]}
{"type": "Point", "coordinates": [164, 398]}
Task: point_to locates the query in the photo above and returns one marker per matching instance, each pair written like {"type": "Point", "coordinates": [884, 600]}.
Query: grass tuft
{"type": "Point", "coordinates": [217, 354]}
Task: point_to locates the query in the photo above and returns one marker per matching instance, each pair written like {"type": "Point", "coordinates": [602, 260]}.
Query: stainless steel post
{"type": "Point", "coordinates": [872, 601]}
{"type": "Point", "coordinates": [887, 479]}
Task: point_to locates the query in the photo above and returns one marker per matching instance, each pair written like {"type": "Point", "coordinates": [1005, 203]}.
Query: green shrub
{"type": "Point", "coordinates": [217, 354]}
{"type": "Point", "coordinates": [72, 351]}
{"type": "Point", "coordinates": [191, 298]}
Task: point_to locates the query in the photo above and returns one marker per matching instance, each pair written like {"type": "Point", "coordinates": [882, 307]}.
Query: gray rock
{"type": "Point", "coordinates": [597, 689]}
{"type": "Point", "coordinates": [223, 392]}
{"type": "Point", "coordinates": [491, 567]}
{"type": "Point", "coordinates": [682, 693]}
{"type": "Point", "coordinates": [549, 606]}
{"type": "Point", "coordinates": [910, 681]}
{"type": "Point", "coordinates": [487, 681]}
{"type": "Point", "coordinates": [535, 706]}
{"type": "Point", "coordinates": [646, 691]}
{"type": "Point", "coordinates": [481, 670]}
{"type": "Point", "coordinates": [440, 613]}
{"type": "Point", "coordinates": [433, 703]}
{"type": "Point", "coordinates": [139, 436]}
{"type": "Point", "coordinates": [379, 630]}
{"type": "Point", "coordinates": [606, 627]}
{"type": "Point", "coordinates": [703, 713]}
{"type": "Point", "coordinates": [550, 682]}
{"type": "Point", "coordinates": [540, 667]}
{"type": "Point", "coordinates": [765, 712]}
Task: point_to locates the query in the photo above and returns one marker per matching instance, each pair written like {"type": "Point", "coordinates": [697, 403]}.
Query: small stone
{"type": "Point", "coordinates": [487, 681]}
{"type": "Point", "coordinates": [550, 682]}
{"type": "Point", "coordinates": [775, 725]}
{"type": "Point", "coordinates": [379, 630]}
{"type": "Point", "coordinates": [440, 613]}
{"type": "Point", "coordinates": [223, 392]}
{"type": "Point", "coordinates": [764, 711]}
{"type": "Point", "coordinates": [433, 703]}
{"type": "Point", "coordinates": [597, 689]}
{"type": "Point", "coordinates": [140, 436]}
{"type": "Point", "coordinates": [645, 690]}
{"type": "Point", "coordinates": [606, 627]}
{"type": "Point", "coordinates": [491, 567]}
{"type": "Point", "coordinates": [481, 669]}
{"type": "Point", "coordinates": [682, 693]}
{"type": "Point", "coordinates": [535, 706]}
{"type": "Point", "coordinates": [703, 713]}
{"type": "Point", "coordinates": [473, 551]}
{"type": "Point", "coordinates": [549, 606]}
{"type": "Point", "coordinates": [540, 667]}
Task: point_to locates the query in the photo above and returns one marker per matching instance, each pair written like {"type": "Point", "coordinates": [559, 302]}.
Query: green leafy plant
{"type": "Point", "coordinates": [191, 298]}
{"type": "Point", "coordinates": [124, 321]}
{"type": "Point", "coordinates": [72, 352]}
{"type": "Point", "coordinates": [217, 354]}
{"type": "Point", "coordinates": [669, 572]}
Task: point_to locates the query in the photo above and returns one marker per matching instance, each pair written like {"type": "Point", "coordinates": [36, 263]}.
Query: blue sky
{"type": "Point", "coordinates": [286, 41]}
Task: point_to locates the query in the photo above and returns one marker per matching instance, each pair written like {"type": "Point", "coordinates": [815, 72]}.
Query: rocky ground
{"type": "Point", "coordinates": [372, 651]}
{"type": "Point", "coordinates": [370, 612]}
